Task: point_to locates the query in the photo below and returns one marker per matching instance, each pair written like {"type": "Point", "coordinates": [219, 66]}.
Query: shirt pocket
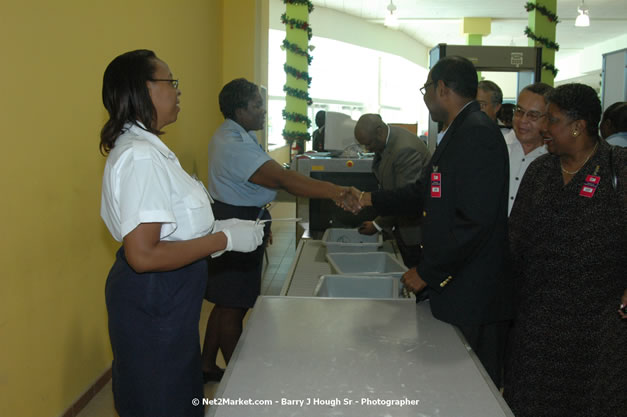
{"type": "Point", "coordinates": [199, 214]}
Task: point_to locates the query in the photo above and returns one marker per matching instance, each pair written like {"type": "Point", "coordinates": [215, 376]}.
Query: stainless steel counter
{"type": "Point", "coordinates": [313, 357]}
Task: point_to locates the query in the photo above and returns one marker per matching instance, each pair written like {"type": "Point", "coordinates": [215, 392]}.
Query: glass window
{"type": "Point", "coordinates": [348, 79]}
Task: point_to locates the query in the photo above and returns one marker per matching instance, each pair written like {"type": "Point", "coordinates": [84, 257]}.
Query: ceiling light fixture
{"type": "Point", "coordinates": [390, 19]}
{"type": "Point", "coordinates": [583, 20]}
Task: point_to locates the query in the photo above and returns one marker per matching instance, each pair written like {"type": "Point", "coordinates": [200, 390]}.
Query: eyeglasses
{"type": "Point", "coordinates": [423, 89]}
{"type": "Point", "coordinates": [532, 115]}
{"type": "Point", "coordinates": [175, 83]}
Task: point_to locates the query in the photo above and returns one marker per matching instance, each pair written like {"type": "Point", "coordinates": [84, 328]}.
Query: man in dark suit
{"type": "Point", "coordinates": [463, 200]}
{"type": "Point", "coordinates": [400, 157]}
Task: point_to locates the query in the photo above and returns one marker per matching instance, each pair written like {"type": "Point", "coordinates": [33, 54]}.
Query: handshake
{"type": "Point", "coordinates": [351, 199]}
{"type": "Point", "coordinates": [241, 235]}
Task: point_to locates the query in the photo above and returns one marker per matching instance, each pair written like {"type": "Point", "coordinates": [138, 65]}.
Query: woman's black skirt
{"type": "Point", "coordinates": [235, 277]}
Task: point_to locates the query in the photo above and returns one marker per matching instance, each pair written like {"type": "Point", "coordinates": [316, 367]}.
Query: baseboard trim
{"type": "Point", "coordinates": [87, 396]}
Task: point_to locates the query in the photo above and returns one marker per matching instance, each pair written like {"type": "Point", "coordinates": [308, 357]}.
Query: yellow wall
{"type": "Point", "coordinates": [55, 251]}
{"type": "Point", "coordinates": [239, 22]}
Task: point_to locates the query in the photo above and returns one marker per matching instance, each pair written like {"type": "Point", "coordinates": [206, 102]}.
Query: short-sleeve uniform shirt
{"type": "Point", "coordinates": [144, 182]}
{"type": "Point", "coordinates": [234, 156]}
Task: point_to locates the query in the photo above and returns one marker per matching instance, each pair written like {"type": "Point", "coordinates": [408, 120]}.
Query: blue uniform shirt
{"type": "Point", "coordinates": [234, 156]}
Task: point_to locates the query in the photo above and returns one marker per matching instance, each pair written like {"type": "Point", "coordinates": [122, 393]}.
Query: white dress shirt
{"type": "Point", "coordinates": [510, 137]}
{"type": "Point", "coordinates": [518, 163]}
{"type": "Point", "coordinates": [144, 182]}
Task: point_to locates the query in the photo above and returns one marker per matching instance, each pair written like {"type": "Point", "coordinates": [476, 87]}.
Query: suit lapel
{"type": "Point", "coordinates": [381, 162]}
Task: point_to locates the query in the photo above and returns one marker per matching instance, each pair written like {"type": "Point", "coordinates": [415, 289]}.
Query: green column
{"type": "Point", "coordinates": [475, 28]}
{"type": "Point", "coordinates": [542, 27]}
{"type": "Point", "coordinates": [474, 39]}
{"type": "Point", "coordinates": [297, 105]}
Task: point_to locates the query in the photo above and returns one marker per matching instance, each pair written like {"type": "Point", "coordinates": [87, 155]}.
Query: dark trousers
{"type": "Point", "coordinates": [488, 342]}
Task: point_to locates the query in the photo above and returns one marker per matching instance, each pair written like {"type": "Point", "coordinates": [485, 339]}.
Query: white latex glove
{"type": "Point", "coordinates": [220, 225]}
{"type": "Point", "coordinates": [242, 236]}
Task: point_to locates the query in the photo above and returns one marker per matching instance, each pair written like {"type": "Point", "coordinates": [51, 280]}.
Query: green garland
{"type": "Point", "coordinates": [296, 118]}
{"type": "Point", "coordinates": [543, 11]}
{"type": "Point", "coordinates": [301, 94]}
{"type": "Point", "coordinates": [292, 135]}
{"type": "Point", "coordinates": [299, 75]}
{"type": "Point", "coordinates": [544, 41]}
{"type": "Point", "coordinates": [298, 24]}
{"type": "Point", "coordinates": [550, 67]}
{"type": "Point", "coordinates": [292, 47]}
{"type": "Point", "coordinates": [297, 139]}
{"type": "Point", "coordinates": [309, 4]}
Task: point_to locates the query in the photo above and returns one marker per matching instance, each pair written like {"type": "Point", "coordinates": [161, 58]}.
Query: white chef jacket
{"type": "Point", "coordinates": [144, 182]}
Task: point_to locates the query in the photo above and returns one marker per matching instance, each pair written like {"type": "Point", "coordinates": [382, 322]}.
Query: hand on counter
{"type": "Point", "coordinates": [412, 281]}
{"type": "Point", "coordinates": [367, 228]}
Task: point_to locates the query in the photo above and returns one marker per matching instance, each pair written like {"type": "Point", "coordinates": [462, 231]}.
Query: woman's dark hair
{"type": "Point", "coordinates": [125, 95]}
{"type": "Point", "coordinates": [458, 74]}
{"type": "Point", "coordinates": [506, 114]}
{"type": "Point", "coordinates": [236, 95]}
{"type": "Point", "coordinates": [579, 102]}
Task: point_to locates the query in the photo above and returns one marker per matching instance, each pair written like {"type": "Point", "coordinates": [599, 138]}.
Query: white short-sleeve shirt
{"type": "Point", "coordinates": [144, 182]}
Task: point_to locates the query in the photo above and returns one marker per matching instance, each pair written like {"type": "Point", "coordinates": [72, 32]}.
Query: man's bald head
{"type": "Point", "coordinates": [371, 132]}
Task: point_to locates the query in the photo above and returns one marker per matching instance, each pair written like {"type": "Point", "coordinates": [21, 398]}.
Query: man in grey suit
{"type": "Point", "coordinates": [400, 158]}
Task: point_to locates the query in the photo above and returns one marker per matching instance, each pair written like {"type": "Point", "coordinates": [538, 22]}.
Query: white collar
{"type": "Point", "coordinates": [139, 129]}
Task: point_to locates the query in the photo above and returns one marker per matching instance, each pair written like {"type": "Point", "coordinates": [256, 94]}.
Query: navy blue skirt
{"type": "Point", "coordinates": [235, 277]}
{"type": "Point", "coordinates": [153, 327]}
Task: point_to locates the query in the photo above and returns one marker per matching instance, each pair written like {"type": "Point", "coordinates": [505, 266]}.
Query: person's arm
{"type": "Point", "coordinates": [272, 175]}
{"type": "Point", "coordinates": [407, 168]}
{"type": "Point", "coordinates": [385, 222]}
{"type": "Point", "coordinates": [405, 201]}
{"type": "Point", "coordinates": [145, 251]}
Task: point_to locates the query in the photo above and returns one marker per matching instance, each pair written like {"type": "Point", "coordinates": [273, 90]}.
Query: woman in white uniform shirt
{"type": "Point", "coordinates": [164, 220]}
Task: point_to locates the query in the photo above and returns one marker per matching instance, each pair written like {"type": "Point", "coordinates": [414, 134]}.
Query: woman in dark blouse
{"type": "Point", "coordinates": [568, 240]}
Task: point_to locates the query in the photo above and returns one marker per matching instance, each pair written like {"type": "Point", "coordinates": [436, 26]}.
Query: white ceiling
{"type": "Point", "coordinates": [439, 21]}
